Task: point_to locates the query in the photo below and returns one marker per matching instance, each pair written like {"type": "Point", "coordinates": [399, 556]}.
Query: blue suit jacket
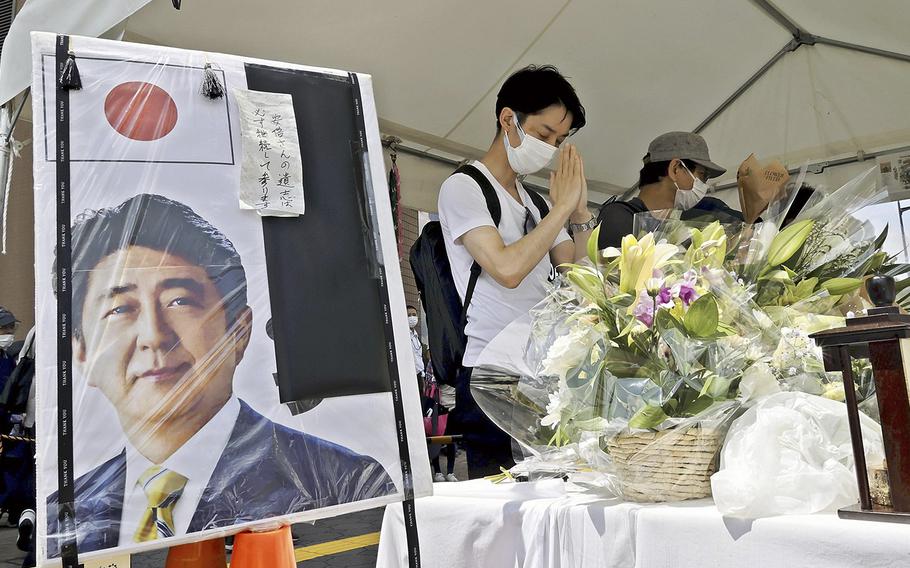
{"type": "Point", "coordinates": [266, 470]}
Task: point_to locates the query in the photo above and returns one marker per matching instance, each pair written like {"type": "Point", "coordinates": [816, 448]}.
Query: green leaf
{"type": "Point", "coordinates": [769, 292]}
{"type": "Point", "coordinates": [699, 405]}
{"type": "Point", "coordinates": [903, 300]}
{"type": "Point", "coordinates": [880, 240]}
{"type": "Point", "coordinates": [664, 321]}
{"type": "Point", "coordinates": [875, 263]}
{"type": "Point", "coordinates": [896, 269]}
{"type": "Point", "coordinates": [707, 386]}
{"type": "Point", "coordinates": [592, 246]}
{"type": "Point", "coordinates": [725, 328]}
{"type": "Point", "coordinates": [587, 283]}
{"type": "Point", "coordinates": [702, 317]}
{"type": "Point", "coordinates": [716, 387]}
{"type": "Point", "coordinates": [805, 288]}
{"type": "Point", "coordinates": [648, 417]}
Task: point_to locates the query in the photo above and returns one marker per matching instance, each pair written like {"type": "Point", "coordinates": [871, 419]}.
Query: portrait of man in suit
{"type": "Point", "coordinates": [161, 321]}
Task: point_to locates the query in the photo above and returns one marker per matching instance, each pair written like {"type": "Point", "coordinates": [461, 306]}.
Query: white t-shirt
{"type": "Point", "coordinates": [462, 207]}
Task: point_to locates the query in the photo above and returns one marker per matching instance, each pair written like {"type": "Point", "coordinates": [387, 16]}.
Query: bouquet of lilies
{"type": "Point", "coordinates": [684, 324]}
{"type": "Point", "coordinates": [808, 276]}
{"type": "Point", "coordinates": [649, 336]}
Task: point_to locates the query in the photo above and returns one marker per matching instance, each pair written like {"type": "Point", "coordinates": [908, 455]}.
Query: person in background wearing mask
{"type": "Point", "coordinates": [416, 344]}
{"type": "Point", "coordinates": [9, 353]}
{"type": "Point", "coordinates": [9, 347]}
{"type": "Point", "coordinates": [536, 111]}
{"type": "Point", "coordinates": [431, 394]}
{"type": "Point", "coordinates": [676, 169]}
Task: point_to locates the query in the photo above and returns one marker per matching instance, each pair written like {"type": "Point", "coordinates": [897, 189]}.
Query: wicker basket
{"type": "Point", "coordinates": [672, 465]}
{"type": "Point", "coordinates": [879, 486]}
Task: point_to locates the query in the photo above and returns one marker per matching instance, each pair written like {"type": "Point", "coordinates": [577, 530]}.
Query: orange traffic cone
{"type": "Point", "coordinates": [204, 554]}
{"type": "Point", "coordinates": [269, 549]}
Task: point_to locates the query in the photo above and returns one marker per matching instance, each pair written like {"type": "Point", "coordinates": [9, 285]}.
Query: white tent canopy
{"type": "Point", "coordinates": [641, 68]}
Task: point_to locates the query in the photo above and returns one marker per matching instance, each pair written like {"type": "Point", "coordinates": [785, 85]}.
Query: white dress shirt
{"type": "Point", "coordinates": [195, 460]}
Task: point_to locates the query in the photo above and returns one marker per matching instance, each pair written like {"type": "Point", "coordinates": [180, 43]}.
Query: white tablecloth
{"type": "Point", "coordinates": [476, 524]}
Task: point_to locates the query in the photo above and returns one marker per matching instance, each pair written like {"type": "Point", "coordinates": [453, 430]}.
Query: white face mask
{"type": "Point", "coordinates": [412, 321]}
{"type": "Point", "coordinates": [6, 340]}
{"type": "Point", "coordinates": [531, 155]}
{"type": "Point", "coordinates": [689, 198]}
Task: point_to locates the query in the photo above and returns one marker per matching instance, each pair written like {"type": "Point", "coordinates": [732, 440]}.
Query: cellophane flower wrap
{"type": "Point", "coordinates": [652, 337]}
{"type": "Point", "coordinates": [651, 349]}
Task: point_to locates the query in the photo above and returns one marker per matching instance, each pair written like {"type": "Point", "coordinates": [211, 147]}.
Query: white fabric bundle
{"type": "Point", "coordinates": [791, 454]}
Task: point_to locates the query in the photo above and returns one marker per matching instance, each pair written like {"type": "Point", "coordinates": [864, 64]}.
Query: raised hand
{"type": "Point", "coordinates": [567, 183]}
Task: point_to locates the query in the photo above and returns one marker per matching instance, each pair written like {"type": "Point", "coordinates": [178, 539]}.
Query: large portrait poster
{"type": "Point", "coordinates": [208, 362]}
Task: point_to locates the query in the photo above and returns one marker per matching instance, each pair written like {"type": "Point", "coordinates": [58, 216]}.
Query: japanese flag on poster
{"type": "Point", "coordinates": [190, 382]}
{"type": "Point", "coordinates": [140, 112]}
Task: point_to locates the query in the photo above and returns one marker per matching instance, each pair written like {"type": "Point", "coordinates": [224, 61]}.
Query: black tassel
{"type": "Point", "coordinates": [177, 5]}
{"type": "Point", "coordinates": [211, 85]}
{"type": "Point", "coordinates": [69, 77]}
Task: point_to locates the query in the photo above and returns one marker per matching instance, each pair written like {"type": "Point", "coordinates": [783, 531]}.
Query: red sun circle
{"type": "Point", "coordinates": [140, 111]}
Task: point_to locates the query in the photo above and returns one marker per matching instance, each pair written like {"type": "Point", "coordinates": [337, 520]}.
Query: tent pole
{"type": "Point", "coordinates": [6, 159]}
{"type": "Point", "coordinates": [900, 218]}
{"type": "Point", "coordinates": [424, 154]}
{"type": "Point", "coordinates": [863, 49]}
{"type": "Point", "coordinates": [455, 163]}
{"type": "Point", "coordinates": [778, 16]}
{"type": "Point", "coordinates": [820, 167]}
{"type": "Point", "coordinates": [791, 45]}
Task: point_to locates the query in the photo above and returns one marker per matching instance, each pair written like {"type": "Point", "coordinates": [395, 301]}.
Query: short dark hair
{"type": "Point", "coordinates": [652, 172]}
{"type": "Point", "coordinates": [537, 87]}
{"type": "Point", "coordinates": [410, 307]}
{"type": "Point", "coordinates": [161, 224]}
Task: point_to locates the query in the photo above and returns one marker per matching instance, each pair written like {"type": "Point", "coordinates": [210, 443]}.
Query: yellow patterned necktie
{"type": "Point", "coordinates": [162, 488]}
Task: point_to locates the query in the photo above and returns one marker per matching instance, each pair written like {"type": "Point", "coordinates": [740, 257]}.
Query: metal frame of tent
{"type": "Point", "coordinates": [800, 36]}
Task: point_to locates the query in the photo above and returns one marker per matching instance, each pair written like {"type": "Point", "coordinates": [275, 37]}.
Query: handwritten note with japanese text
{"type": "Point", "coordinates": [271, 172]}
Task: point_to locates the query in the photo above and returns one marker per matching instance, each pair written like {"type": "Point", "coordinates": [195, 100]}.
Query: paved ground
{"type": "Point", "coordinates": [326, 530]}
{"type": "Point", "coordinates": [355, 524]}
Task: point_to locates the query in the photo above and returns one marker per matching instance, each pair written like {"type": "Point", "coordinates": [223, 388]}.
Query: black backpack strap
{"type": "Point", "coordinates": [489, 194]}
{"type": "Point", "coordinates": [469, 293]}
{"type": "Point", "coordinates": [539, 202]}
{"type": "Point", "coordinates": [493, 206]}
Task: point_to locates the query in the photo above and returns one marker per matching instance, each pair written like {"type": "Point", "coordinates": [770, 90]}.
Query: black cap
{"type": "Point", "coordinates": [7, 317]}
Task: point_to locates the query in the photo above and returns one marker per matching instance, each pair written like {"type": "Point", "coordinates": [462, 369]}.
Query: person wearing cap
{"type": "Point", "coordinates": [9, 353]}
{"type": "Point", "coordinates": [674, 175]}
{"type": "Point", "coordinates": [9, 347]}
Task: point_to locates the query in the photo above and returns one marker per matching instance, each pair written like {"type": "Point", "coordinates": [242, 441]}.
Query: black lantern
{"type": "Point", "coordinates": [882, 336]}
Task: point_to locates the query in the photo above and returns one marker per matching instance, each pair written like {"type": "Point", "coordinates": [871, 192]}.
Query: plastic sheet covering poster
{"type": "Point", "coordinates": [204, 369]}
